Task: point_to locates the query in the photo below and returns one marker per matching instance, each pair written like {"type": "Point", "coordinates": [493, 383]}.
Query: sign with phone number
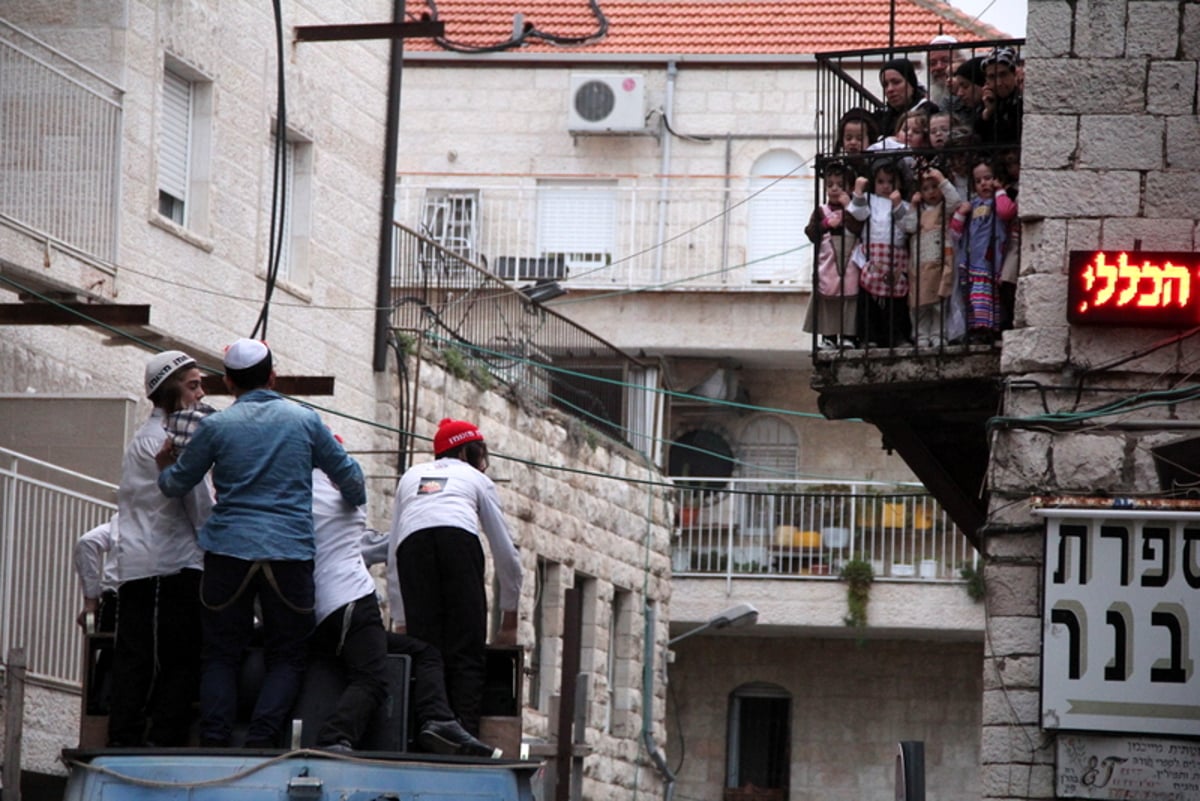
{"type": "Point", "coordinates": [1121, 589]}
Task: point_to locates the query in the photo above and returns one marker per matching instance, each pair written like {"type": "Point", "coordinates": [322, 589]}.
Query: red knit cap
{"type": "Point", "coordinates": [452, 433]}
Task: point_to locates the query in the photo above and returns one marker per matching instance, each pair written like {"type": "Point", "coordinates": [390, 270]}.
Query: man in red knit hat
{"type": "Point", "coordinates": [436, 562]}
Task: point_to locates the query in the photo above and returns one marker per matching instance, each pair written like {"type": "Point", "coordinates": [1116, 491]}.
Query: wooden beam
{"type": "Point", "coordinates": [284, 384]}
{"type": "Point", "coordinates": [370, 30]}
{"type": "Point", "coordinates": [74, 314]}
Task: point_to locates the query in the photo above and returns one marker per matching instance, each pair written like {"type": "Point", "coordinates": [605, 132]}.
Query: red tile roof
{"type": "Point", "coordinates": [708, 27]}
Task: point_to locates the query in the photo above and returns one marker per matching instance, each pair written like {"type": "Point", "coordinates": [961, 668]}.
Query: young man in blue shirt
{"type": "Point", "coordinates": [259, 540]}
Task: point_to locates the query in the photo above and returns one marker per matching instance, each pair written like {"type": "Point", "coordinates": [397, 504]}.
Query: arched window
{"type": "Point", "coordinates": [759, 742]}
{"type": "Point", "coordinates": [779, 207]}
{"type": "Point", "coordinates": [768, 448]}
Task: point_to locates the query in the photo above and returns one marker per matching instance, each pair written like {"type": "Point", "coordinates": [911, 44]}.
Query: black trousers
{"type": "Point", "coordinates": [883, 320]}
{"type": "Point", "coordinates": [429, 677]}
{"type": "Point", "coordinates": [441, 579]}
{"type": "Point", "coordinates": [156, 660]}
{"type": "Point", "coordinates": [359, 642]}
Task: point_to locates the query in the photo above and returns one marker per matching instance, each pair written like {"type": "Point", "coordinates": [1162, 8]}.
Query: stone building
{"type": "Point", "coordinates": [136, 214]}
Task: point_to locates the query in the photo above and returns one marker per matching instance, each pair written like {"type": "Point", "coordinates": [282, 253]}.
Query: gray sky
{"type": "Point", "coordinates": [1007, 15]}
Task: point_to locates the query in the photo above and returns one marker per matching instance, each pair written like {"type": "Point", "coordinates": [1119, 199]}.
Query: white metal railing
{"type": "Point", "coordinates": [755, 528]}
{"type": "Point", "coordinates": [43, 511]}
{"type": "Point", "coordinates": [699, 233]}
{"type": "Point", "coordinates": [60, 136]}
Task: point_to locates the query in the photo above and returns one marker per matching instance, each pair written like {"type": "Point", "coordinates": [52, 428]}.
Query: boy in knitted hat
{"type": "Point", "coordinates": [436, 561]}
{"type": "Point", "coordinates": [259, 540]}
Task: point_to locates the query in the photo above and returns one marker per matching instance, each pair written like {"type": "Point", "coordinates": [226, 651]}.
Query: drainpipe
{"type": "Point", "coordinates": [664, 179]}
{"type": "Point", "coordinates": [660, 761]}
{"type": "Point", "coordinates": [387, 211]}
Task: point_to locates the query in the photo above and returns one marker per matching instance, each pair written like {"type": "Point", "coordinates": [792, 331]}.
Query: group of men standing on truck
{"type": "Point", "coordinates": [254, 515]}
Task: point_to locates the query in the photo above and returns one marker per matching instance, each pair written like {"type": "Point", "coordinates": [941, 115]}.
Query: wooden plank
{"type": "Point", "coordinates": [284, 384]}
{"type": "Point", "coordinates": [370, 30]}
{"type": "Point", "coordinates": [74, 314]}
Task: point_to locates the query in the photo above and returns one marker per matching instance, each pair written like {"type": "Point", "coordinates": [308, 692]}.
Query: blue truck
{"type": "Point", "coordinates": [254, 775]}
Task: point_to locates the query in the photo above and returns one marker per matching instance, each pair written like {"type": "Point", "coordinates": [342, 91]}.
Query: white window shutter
{"type": "Point", "coordinates": [175, 136]}
{"type": "Point", "coordinates": [577, 220]}
{"type": "Point", "coordinates": [285, 242]}
{"type": "Point", "coordinates": [778, 213]}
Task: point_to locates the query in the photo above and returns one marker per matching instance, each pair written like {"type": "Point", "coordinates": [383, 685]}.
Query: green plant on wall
{"type": "Point", "coordinates": [858, 574]}
{"type": "Point", "coordinates": [973, 575]}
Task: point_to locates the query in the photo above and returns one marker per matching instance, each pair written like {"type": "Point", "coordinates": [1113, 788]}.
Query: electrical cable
{"type": "Point", "coordinates": [279, 198]}
{"type": "Point", "coordinates": [526, 32]}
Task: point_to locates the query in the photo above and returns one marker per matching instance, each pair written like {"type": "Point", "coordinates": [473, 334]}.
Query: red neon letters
{"type": "Point", "coordinates": [1133, 288]}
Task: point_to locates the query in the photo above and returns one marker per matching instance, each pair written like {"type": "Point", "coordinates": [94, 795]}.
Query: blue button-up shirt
{"type": "Point", "coordinates": [262, 451]}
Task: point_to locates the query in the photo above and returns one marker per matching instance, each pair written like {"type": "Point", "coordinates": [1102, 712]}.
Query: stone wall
{"type": "Point", "coordinates": [572, 510]}
{"type": "Point", "coordinates": [1109, 161]}
{"type": "Point", "coordinates": [850, 706]}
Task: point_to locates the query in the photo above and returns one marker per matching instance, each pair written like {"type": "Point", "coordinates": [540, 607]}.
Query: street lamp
{"type": "Point", "coordinates": [737, 615]}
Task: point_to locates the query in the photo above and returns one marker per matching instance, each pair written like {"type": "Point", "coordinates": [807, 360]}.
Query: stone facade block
{"type": "Point", "coordinates": [1189, 37]}
{"type": "Point", "coordinates": [1169, 192]}
{"type": "Point", "coordinates": [1096, 346]}
{"type": "Point", "coordinates": [1012, 673]}
{"type": "Point", "coordinates": [1041, 300]}
{"type": "Point", "coordinates": [1081, 235]}
{"type": "Point", "coordinates": [1183, 142]}
{"type": "Point", "coordinates": [1043, 246]}
{"type": "Point", "coordinates": [1035, 349]}
{"type": "Point", "coordinates": [1088, 463]}
{"type": "Point", "coordinates": [1012, 589]}
{"type": "Point", "coordinates": [1172, 86]}
{"type": "Point", "coordinates": [1145, 27]}
{"type": "Point", "coordinates": [1012, 469]}
{"type": "Point", "coordinates": [1014, 780]}
{"type": "Point", "coordinates": [1083, 193]}
{"type": "Point", "coordinates": [1015, 636]}
{"type": "Point", "coordinates": [1015, 743]}
{"type": "Point", "coordinates": [1122, 233]}
{"type": "Point", "coordinates": [1049, 141]}
{"type": "Point", "coordinates": [1100, 28]}
{"type": "Point", "coordinates": [1049, 23]}
{"type": "Point", "coordinates": [1120, 142]}
{"type": "Point", "coordinates": [1112, 86]}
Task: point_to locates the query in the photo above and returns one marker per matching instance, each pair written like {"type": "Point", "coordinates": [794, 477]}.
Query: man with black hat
{"type": "Point", "coordinates": [156, 652]}
{"type": "Point", "coordinates": [259, 540]}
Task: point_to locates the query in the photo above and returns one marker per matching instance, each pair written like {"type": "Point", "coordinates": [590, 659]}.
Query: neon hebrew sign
{"type": "Point", "coordinates": [1121, 621]}
{"type": "Point", "coordinates": [1134, 288]}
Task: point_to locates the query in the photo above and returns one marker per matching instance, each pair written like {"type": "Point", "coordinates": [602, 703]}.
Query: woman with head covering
{"type": "Point", "coordinates": [901, 93]}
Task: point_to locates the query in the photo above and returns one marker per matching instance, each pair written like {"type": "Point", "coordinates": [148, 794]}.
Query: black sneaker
{"type": "Point", "coordinates": [449, 737]}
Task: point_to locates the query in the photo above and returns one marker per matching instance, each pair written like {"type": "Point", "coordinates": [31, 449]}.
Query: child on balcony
{"type": "Point", "coordinates": [832, 309]}
{"type": "Point", "coordinates": [980, 227]}
{"type": "Point", "coordinates": [856, 130]}
{"type": "Point", "coordinates": [925, 223]}
{"type": "Point", "coordinates": [882, 258]}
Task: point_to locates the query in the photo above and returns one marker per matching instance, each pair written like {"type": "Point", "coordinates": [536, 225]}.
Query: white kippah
{"type": "Point", "coordinates": [245, 353]}
{"type": "Point", "coordinates": [943, 38]}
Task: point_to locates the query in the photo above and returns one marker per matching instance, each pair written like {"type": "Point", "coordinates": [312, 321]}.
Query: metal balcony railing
{"type": "Point", "coordinates": [60, 145]}
{"type": "Point", "coordinates": [621, 232]}
{"type": "Point", "coordinates": [44, 509]}
{"type": "Point", "coordinates": [951, 316]}
{"type": "Point", "coordinates": [765, 528]}
{"type": "Point", "coordinates": [489, 330]}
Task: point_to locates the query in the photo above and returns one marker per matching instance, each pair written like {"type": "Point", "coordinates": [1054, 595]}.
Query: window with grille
{"type": "Point", "coordinates": [768, 448]}
{"type": "Point", "coordinates": [779, 206]}
{"type": "Point", "coordinates": [578, 221]}
{"type": "Point", "coordinates": [449, 218]}
{"type": "Point", "coordinates": [296, 219]}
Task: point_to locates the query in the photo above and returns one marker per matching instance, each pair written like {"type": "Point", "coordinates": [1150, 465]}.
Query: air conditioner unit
{"type": "Point", "coordinates": [607, 103]}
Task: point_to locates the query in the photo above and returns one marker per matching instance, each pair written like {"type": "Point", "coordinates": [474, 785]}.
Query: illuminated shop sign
{"type": "Point", "coordinates": [1134, 288]}
{"type": "Point", "coordinates": [1121, 595]}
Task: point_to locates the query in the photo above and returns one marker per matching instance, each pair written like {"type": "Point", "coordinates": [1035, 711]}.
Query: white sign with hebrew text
{"type": "Point", "coordinates": [1121, 597]}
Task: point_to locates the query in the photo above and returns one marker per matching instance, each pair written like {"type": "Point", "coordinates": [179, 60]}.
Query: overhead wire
{"type": "Point", "coordinates": [523, 32]}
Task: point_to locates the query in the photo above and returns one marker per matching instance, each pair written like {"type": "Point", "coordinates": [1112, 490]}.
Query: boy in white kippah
{"type": "Point", "coordinates": [259, 541]}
